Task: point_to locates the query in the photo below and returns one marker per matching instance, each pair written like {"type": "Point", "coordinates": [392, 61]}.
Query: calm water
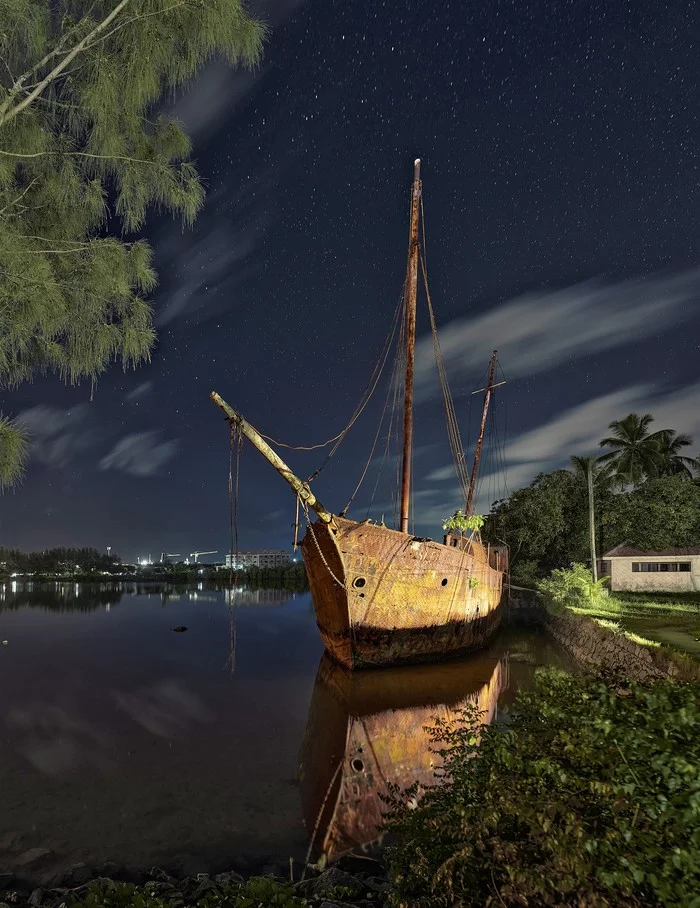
{"type": "Point", "coordinates": [122, 740]}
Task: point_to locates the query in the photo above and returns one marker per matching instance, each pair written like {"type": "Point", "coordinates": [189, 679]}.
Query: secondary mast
{"type": "Point", "coordinates": [411, 292]}
{"type": "Point", "coordinates": [477, 454]}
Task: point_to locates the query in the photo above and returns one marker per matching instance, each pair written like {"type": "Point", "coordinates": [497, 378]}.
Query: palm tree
{"type": "Point", "coordinates": [674, 463]}
{"type": "Point", "coordinates": [696, 469]}
{"type": "Point", "coordinates": [591, 470]}
{"type": "Point", "coordinates": [636, 453]}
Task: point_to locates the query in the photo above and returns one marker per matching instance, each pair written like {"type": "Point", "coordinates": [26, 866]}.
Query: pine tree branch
{"type": "Point", "coordinates": [16, 201]}
{"type": "Point", "coordinates": [9, 114]}
{"type": "Point", "coordinates": [80, 154]}
{"type": "Point", "coordinates": [138, 18]}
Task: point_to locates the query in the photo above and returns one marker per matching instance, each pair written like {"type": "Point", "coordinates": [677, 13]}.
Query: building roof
{"type": "Point", "coordinates": [629, 551]}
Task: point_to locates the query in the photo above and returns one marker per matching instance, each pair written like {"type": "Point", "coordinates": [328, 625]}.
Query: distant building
{"type": "Point", "coordinates": [673, 570]}
{"type": "Point", "coordinates": [263, 558]}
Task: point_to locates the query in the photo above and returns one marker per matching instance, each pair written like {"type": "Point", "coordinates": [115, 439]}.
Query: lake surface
{"type": "Point", "coordinates": [124, 741]}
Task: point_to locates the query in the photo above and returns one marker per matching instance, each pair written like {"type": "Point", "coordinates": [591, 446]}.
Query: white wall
{"type": "Point", "coordinates": [622, 578]}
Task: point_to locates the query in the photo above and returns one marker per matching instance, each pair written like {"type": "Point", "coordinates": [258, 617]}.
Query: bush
{"type": "Point", "coordinates": [525, 573]}
{"type": "Point", "coordinates": [573, 586]}
{"type": "Point", "coordinates": [257, 892]}
{"type": "Point", "coordinates": [590, 796]}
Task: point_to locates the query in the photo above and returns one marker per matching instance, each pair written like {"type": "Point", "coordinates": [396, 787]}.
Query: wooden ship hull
{"type": "Point", "coordinates": [383, 597]}
{"type": "Point", "coordinates": [368, 729]}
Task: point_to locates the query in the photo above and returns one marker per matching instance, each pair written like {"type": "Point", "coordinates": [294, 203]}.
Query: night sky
{"type": "Point", "coordinates": [561, 184]}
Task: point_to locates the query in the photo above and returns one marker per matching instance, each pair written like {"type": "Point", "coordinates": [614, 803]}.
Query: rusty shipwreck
{"type": "Point", "coordinates": [384, 596]}
{"type": "Point", "coordinates": [369, 730]}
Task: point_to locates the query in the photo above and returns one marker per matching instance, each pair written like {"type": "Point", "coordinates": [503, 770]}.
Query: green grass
{"type": "Point", "coordinates": [652, 618]}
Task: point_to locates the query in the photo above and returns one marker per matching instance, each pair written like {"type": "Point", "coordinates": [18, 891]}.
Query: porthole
{"type": "Point", "coordinates": [357, 765]}
{"type": "Point", "coordinates": [359, 582]}
{"type": "Point", "coordinates": [444, 581]}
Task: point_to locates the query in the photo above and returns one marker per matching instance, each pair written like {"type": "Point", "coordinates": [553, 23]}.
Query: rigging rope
{"type": "Point", "coordinates": [373, 382]}
{"type": "Point", "coordinates": [453, 432]}
{"type": "Point", "coordinates": [364, 400]}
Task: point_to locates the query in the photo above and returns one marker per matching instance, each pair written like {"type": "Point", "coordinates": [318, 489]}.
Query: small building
{"type": "Point", "coordinates": [263, 558]}
{"type": "Point", "coordinates": [673, 570]}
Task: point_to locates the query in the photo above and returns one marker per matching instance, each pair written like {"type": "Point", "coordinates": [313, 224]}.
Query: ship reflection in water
{"type": "Point", "coordinates": [368, 729]}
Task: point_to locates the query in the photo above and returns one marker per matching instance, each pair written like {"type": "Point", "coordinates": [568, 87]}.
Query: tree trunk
{"type": "Point", "coordinates": [591, 519]}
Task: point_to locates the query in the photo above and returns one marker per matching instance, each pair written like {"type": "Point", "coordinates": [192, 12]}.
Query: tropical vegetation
{"type": "Point", "coordinates": [223, 891]}
{"type": "Point", "coordinates": [589, 795]}
{"type": "Point", "coordinates": [641, 490]}
{"type": "Point", "coordinates": [672, 619]}
{"type": "Point", "coordinates": [85, 153]}
{"type": "Point", "coordinates": [463, 524]}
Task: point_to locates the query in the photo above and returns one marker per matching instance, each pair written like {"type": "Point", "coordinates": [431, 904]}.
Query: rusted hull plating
{"type": "Point", "coordinates": [387, 598]}
{"type": "Point", "coordinates": [369, 729]}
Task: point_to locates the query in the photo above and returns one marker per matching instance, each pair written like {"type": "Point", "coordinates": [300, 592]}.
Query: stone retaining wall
{"type": "Point", "coordinates": [591, 644]}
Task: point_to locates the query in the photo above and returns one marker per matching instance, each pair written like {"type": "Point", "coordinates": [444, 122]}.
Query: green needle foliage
{"type": "Point", "coordinates": [590, 796]}
{"type": "Point", "coordinates": [13, 453]}
{"type": "Point", "coordinates": [83, 159]}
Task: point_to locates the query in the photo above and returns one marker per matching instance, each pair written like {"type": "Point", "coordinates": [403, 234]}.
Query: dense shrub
{"type": "Point", "coordinates": [590, 796]}
{"type": "Point", "coordinates": [573, 586]}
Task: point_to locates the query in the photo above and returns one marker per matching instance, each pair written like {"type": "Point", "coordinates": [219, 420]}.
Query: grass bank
{"type": "Point", "coordinates": [670, 619]}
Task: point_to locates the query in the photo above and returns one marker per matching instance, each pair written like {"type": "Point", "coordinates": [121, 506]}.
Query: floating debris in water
{"type": "Point", "coordinates": [180, 628]}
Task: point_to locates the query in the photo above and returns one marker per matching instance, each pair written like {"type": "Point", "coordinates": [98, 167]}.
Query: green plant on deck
{"type": "Point", "coordinates": [573, 586]}
{"type": "Point", "coordinates": [473, 583]}
{"type": "Point", "coordinates": [460, 521]}
{"type": "Point", "coordinates": [590, 796]}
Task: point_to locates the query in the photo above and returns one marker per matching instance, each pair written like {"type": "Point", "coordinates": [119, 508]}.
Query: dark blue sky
{"type": "Point", "coordinates": [562, 187]}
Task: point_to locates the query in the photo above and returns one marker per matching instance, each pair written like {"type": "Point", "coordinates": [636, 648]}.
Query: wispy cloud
{"type": "Point", "coordinates": [579, 429]}
{"type": "Point", "coordinates": [210, 100]}
{"type": "Point", "coordinates": [141, 454]}
{"type": "Point", "coordinates": [539, 331]}
{"type": "Point", "coordinates": [58, 435]}
{"type": "Point", "coordinates": [145, 387]}
{"type": "Point", "coordinates": [204, 268]}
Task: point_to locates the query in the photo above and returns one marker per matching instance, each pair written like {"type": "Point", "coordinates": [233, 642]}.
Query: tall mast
{"type": "Point", "coordinates": [411, 291]}
{"type": "Point", "coordinates": [477, 454]}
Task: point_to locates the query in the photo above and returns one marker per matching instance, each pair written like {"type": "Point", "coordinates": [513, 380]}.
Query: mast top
{"type": "Point", "coordinates": [416, 169]}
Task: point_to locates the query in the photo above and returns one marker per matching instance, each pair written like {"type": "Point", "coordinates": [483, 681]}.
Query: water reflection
{"type": "Point", "coordinates": [367, 729]}
{"type": "Point", "coordinates": [89, 597]}
{"type": "Point", "coordinates": [59, 597]}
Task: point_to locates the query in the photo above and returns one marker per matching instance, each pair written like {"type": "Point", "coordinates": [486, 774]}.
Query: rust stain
{"type": "Point", "coordinates": [383, 597]}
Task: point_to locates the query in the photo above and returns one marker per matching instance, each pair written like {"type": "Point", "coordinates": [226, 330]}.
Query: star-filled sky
{"type": "Point", "coordinates": [561, 180]}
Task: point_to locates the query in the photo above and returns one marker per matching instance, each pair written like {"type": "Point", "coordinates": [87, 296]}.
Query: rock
{"type": "Point", "coordinates": [180, 628]}
{"type": "Point", "coordinates": [377, 884]}
{"type": "Point", "coordinates": [229, 879]}
{"type": "Point", "coordinates": [187, 885]}
{"type": "Point", "coordinates": [336, 877]}
{"type": "Point", "coordinates": [162, 876]}
{"type": "Point", "coordinates": [32, 857]}
{"type": "Point", "coordinates": [205, 884]}
{"type": "Point", "coordinates": [36, 898]}
{"type": "Point", "coordinates": [77, 875]}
